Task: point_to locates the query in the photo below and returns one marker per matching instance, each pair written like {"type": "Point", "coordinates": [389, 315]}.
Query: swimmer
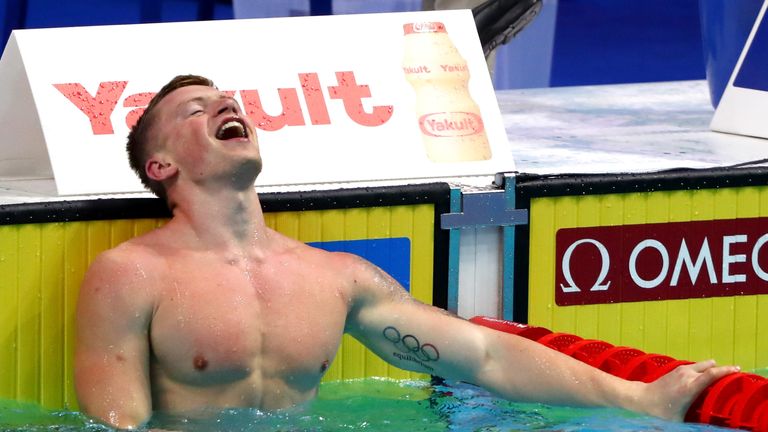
{"type": "Point", "coordinates": [216, 310]}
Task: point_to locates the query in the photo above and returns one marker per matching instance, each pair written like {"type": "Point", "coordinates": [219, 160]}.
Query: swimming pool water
{"type": "Point", "coordinates": [375, 405]}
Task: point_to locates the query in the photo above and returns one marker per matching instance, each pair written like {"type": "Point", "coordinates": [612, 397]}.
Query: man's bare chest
{"type": "Point", "coordinates": [221, 323]}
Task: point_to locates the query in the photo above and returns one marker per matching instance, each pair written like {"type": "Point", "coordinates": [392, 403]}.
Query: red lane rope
{"type": "Point", "coordinates": [738, 400]}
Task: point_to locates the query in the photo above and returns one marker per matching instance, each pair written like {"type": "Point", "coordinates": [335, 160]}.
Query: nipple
{"type": "Point", "coordinates": [200, 362]}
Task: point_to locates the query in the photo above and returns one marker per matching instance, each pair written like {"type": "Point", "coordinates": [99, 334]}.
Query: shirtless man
{"type": "Point", "coordinates": [215, 309]}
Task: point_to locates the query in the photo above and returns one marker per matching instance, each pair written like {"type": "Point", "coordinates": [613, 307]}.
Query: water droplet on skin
{"type": "Point", "coordinates": [141, 271]}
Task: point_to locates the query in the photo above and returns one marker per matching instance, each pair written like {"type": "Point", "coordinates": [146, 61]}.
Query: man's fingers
{"type": "Point", "coordinates": [712, 374]}
{"type": "Point", "coordinates": [703, 365]}
{"type": "Point", "coordinates": [721, 371]}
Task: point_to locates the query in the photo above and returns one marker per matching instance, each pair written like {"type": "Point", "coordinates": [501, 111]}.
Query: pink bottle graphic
{"type": "Point", "coordinates": [451, 125]}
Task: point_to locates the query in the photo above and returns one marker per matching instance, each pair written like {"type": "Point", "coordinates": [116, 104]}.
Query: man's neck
{"type": "Point", "coordinates": [225, 220]}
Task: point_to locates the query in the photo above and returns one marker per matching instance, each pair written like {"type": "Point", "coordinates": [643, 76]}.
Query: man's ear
{"type": "Point", "coordinates": [160, 170]}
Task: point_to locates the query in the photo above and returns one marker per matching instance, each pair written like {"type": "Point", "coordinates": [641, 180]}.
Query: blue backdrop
{"type": "Point", "coordinates": [596, 41]}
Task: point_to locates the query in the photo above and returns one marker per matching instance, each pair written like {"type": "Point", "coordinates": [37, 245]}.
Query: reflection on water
{"type": "Point", "coordinates": [373, 405]}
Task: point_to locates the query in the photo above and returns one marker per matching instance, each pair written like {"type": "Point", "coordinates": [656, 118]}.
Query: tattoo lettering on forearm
{"type": "Point", "coordinates": [410, 349]}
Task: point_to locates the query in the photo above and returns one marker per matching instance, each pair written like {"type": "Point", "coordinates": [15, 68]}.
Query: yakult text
{"type": "Point", "coordinates": [98, 108]}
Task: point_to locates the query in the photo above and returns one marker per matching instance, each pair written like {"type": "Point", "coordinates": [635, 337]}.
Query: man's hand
{"type": "Point", "coordinates": [670, 396]}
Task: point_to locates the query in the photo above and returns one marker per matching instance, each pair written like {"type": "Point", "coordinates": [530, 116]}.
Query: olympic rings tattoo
{"type": "Point", "coordinates": [409, 344]}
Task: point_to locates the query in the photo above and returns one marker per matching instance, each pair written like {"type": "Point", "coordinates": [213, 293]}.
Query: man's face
{"type": "Point", "coordinates": [205, 133]}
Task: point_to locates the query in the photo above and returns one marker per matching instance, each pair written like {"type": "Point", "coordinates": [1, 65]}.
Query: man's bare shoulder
{"type": "Point", "coordinates": [146, 249]}
{"type": "Point", "coordinates": [343, 262]}
{"type": "Point", "coordinates": [360, 279]}
{"type": "Point", "coordinates": [131, 264]}
{"type": "Point", "coordinates": [346, 268]}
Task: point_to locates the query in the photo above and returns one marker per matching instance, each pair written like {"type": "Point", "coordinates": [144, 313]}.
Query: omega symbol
{"type": "Point", "coordinates": [605, 263]}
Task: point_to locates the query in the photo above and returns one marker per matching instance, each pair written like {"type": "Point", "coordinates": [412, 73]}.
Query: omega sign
{"type": "Point", "coordinates": [665, 261]}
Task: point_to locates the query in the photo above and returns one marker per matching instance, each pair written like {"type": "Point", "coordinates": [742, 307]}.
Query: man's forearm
{"type": "Point", "coordinates": [523, 370]}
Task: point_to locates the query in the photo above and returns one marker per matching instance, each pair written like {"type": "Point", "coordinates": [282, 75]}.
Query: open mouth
{"type": "Point", "coordinates": [232, 129]}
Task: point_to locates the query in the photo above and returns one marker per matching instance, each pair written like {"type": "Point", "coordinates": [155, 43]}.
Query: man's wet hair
{"type": "Point", "coordinates": [138, 145]}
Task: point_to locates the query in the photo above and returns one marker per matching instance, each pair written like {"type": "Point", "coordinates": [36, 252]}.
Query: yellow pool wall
{"type": "Point", "coordinates": [726, 329]}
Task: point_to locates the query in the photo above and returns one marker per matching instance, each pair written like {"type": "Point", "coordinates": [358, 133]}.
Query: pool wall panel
{"type": "Point", "coordinates": [726, 328]}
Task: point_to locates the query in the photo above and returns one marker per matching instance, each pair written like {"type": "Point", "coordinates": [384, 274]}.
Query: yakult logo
{"type": "Point", "coordinates": [427, 27]}
{"type": "Point", "coordinates": [661, 261]}
{"type": "Point", "coordinates": [450, 124]}
{"type": "Point", "coordinates": [98, 108]}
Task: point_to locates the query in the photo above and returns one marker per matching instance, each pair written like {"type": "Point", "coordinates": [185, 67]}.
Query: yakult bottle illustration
{"type": "Point", "coordinates": [451, 125]}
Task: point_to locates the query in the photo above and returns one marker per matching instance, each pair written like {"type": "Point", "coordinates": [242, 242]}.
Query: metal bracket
{"type": "Point", "coordinates": [486, 208]}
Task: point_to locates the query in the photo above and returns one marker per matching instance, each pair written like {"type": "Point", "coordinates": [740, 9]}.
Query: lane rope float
{"type": "Point", "coordinates": [739, 400]}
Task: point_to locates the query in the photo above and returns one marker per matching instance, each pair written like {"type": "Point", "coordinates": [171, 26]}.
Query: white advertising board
{"type": "Point", "coordinates": [331, 93]}
{"type": "Point", "coordinates": [745, 100]}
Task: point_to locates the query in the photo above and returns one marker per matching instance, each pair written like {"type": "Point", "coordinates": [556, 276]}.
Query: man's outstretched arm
{"type": "Point", "coordinates": [112, 349]}
{"type": "Point", "coordinates": [422, 338]}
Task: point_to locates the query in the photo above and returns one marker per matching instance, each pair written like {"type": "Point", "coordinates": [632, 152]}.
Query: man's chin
{"type": "Point", "coordinates": [246, 173]}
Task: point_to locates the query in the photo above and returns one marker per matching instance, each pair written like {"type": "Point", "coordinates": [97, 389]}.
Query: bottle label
{"type": "Point", "coordinates": [451, 124]}
{"type": "Point", "coordinates": [424, 27]}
